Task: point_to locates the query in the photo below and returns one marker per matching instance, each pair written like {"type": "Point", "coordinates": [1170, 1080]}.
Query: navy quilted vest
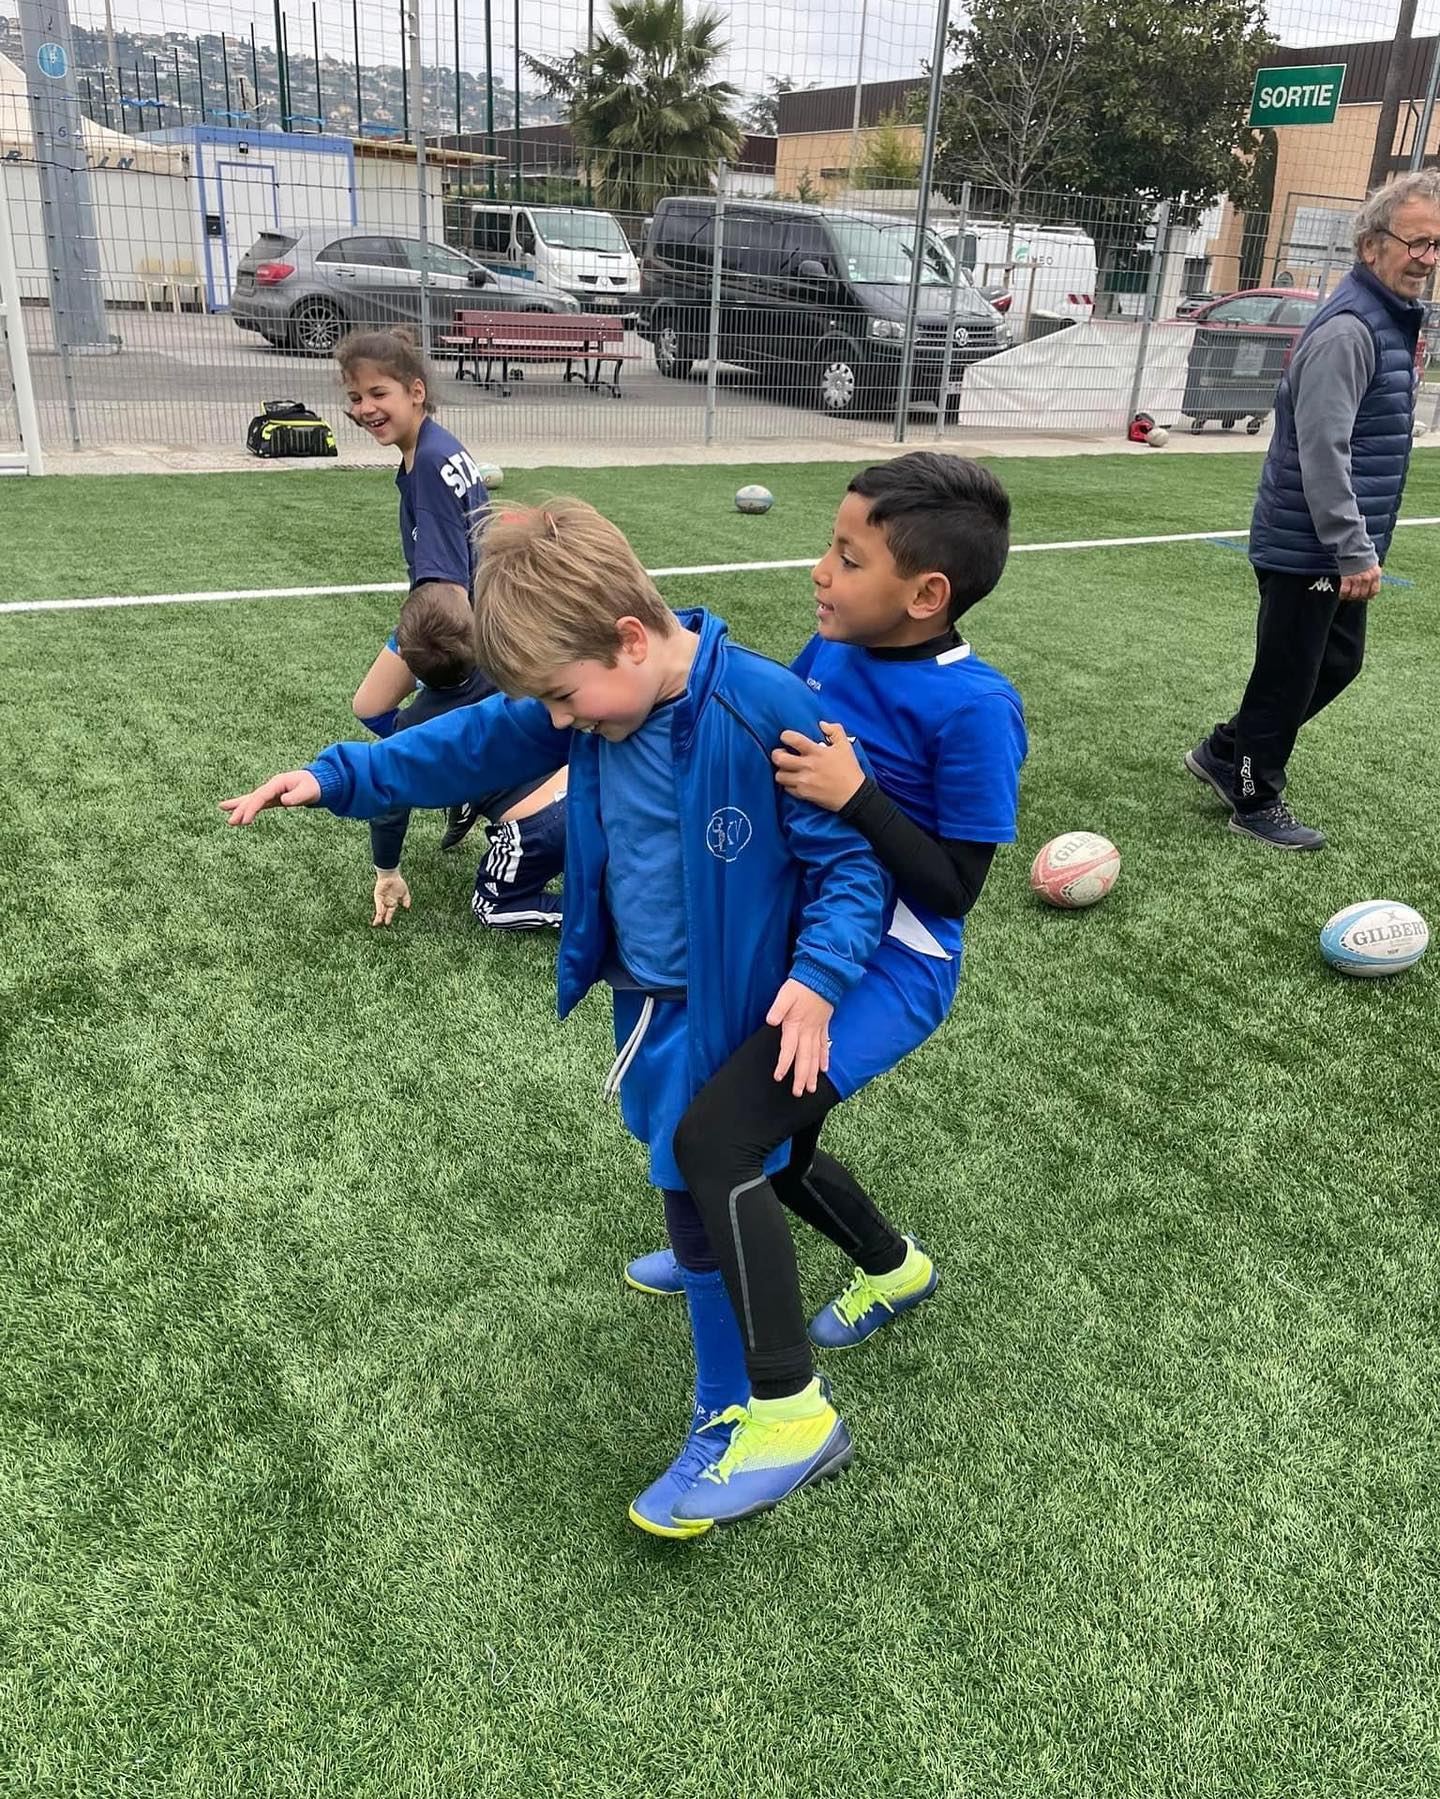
{"type": "Point", "coordinates": [1281, 534]}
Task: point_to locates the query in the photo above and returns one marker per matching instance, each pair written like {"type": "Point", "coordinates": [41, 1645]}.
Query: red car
{"type": "Point", "coordinates": [1281, 308]}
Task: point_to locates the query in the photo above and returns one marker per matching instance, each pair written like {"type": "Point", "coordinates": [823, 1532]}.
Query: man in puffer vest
{"type": "Point", "coordinates": [1329, 495]}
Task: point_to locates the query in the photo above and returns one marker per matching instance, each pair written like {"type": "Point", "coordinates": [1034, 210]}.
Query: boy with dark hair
{"type": "Point", "coordinates": [917, 542]}
{"type": "Point", "coordinates": [707, 898]}
{"type": "Point", "coordinates": [526, 850]}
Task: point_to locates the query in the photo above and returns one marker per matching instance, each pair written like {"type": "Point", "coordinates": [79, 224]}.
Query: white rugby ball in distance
{"type": "Point", "coordinates": [754, 498]}
{"type": "Point", "coordinates": [492, 474]}
{"type": "Point", "coordinates": [1375, 937]}
{"type": "Point", "coordinates": [1075, 870]}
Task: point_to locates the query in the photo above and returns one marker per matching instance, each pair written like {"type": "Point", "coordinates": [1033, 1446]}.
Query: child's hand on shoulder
{"type": "Point", "coordinates": [827, 774]}
{"type": "Point", "coordinates": [391, 892]}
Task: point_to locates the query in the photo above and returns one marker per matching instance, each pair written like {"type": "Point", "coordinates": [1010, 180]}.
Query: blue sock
{"type": "Point", "coordinates": [382, 723]}
{"type": "Point", "coordinates": [720, 1376]}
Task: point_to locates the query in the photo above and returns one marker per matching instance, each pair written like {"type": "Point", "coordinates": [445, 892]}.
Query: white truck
{"type": "Point", "coordinates": [1048, 268]}
{"type": "Point", "coordinates": [582, 252]}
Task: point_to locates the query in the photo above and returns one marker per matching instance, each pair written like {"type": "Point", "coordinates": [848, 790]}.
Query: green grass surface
{"type": "Point", "coordinates": [323, 1402]}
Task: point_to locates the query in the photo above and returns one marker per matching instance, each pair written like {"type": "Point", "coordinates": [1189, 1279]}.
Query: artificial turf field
{"type": "Point", "coordinates": [321, 1398]}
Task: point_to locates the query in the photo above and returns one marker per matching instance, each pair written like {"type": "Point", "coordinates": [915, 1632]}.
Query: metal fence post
{"type": "Point", "coordinates": [922, 219]}
{"type": "Point", "coordinates": [962, 219]}
{"type": "Point", "coordinates": [713, 348]}
{"type": "Point", "coordinates": [1152, 291]}
{"type": "Point", "coordinates": [12, 334]}
{"type": "Point", "coordinates": [417, 120]}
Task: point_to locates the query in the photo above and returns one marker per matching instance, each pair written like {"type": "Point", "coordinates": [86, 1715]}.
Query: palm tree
{"type": "Point", "coordinates": [640, 106]}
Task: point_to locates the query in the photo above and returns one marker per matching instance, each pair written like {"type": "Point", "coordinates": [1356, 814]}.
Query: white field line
{"type": "Point", "coordinates": [699, 568]}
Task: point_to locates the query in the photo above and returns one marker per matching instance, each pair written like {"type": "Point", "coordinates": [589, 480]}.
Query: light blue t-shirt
{"type": "Point", "coordinates": [644, 887]}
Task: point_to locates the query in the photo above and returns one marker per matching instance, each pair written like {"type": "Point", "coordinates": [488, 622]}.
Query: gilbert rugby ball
{"type": "Point", "coordinates": [754, 499]}
{"type": "Point", "coordinates": [492, 474]}
{"type": "Point", "coordinates": [1075, 870]}
{"type": "Point", "coordinates": [1375, 937]}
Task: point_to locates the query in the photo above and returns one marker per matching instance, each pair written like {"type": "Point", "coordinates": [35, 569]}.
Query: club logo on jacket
{"type": "Point", "coordinates": [727, 833]}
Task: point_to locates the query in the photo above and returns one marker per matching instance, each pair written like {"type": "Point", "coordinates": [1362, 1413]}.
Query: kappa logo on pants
{"type": "Point", "coordinates": [1323, 586]}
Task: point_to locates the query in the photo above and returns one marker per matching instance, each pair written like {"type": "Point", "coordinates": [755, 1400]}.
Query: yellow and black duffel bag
{"type": "Point", "coordinates": [289, 428]}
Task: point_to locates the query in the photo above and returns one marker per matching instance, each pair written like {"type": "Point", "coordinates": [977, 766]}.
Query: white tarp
{"type": "Point", "coordinates": [104, 149]}
{"type": "Point", "coordinates": [1079, 380]}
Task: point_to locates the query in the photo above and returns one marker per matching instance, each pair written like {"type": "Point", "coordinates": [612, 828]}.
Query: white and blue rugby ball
{"type": "Point", "coordinates": [492, 474]}
{"type": "Point", "coordinates": [754, 499]}
{"type": "Point", "coordinates": [1376, 937]}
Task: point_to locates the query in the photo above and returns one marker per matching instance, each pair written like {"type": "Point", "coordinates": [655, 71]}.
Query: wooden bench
{"type": "Point", "coordinates": [591, 339]}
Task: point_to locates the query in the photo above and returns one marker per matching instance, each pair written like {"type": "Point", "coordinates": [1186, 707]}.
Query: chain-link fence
{"type": "Point", "coordinates": [181, 262]}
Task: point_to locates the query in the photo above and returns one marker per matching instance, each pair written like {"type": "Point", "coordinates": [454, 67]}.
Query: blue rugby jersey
{"type": "Point", "coordinates": [443, 502]}
{"type": "Point", "coordinates": [945, 736]}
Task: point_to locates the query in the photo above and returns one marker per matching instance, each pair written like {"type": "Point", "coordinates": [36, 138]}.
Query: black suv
{"type": "Point", "coordinates": [816, 298]}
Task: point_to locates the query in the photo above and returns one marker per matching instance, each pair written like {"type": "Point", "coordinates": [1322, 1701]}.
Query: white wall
{"type": "Point", "coordinates": [386, 198]}
{"type": "Point", "coordinates": [138, 216]}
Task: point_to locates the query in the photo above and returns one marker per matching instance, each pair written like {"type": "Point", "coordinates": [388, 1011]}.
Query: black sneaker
{"type": "Point", "coordinates": [1207, 767]}
{"type": "Point", "coordinates": [1278, 826]}
{"type": "Point", "coordinates": [460, 821]}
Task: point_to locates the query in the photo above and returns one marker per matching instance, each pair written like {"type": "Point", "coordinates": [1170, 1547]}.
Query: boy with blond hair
{"type": "Point", "coordinates": [712, 901]}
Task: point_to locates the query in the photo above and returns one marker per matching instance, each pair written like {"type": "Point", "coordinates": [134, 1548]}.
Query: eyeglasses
{"type": "Point", "coordinates": [1418, 247]}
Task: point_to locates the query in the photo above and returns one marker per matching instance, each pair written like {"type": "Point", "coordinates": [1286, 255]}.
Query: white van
{"type": "Point", "coordinates": [574, 248]}
{"type": "Point", "coordinates": [1048, 268]}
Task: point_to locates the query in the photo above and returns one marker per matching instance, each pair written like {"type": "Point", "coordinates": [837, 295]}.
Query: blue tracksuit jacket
{"type": "Point", "coordinates": [774, 887]}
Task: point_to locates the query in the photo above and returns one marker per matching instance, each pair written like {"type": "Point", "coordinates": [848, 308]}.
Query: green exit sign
{"type": "Point", "coordinates": [1309, 96]}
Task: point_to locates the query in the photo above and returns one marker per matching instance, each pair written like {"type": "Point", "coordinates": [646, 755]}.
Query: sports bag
{"type": "Point", "coordinates": [289, 428]}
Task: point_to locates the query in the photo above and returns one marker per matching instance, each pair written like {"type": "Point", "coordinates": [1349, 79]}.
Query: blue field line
{"type": "Point", "coordinates": [1228, 543]}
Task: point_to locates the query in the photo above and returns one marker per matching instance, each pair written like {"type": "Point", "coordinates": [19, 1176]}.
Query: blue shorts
{"type": "Point", "coordinates": [657, 1089]}
{"type": "Point", "coordinates": [901, 999]}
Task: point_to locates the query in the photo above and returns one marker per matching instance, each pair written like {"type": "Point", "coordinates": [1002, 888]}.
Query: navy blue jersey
{"type": "Point", "coordinates": [442, 503]}
{"type": "Point", "coordinates": [945, 735]}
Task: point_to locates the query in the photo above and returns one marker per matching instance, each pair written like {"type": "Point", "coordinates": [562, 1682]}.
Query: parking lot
{"type": "Point", "coordinates": [195, 380]}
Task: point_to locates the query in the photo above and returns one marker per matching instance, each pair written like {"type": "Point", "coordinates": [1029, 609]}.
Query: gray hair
{"type": "Point", "coordinates": [1375, 215]}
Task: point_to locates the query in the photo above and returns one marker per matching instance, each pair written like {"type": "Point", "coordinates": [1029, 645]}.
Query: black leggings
{"type": "Point", "coordinates": [733, 1124]}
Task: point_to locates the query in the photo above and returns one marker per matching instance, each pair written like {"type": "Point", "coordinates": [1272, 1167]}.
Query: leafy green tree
{"type": "Point", "coordinates": [762, 116]}
{"type": "Point", "coordinates": [890, 160]}
{"type": "Point", "coordinates": [1142, 100]}
{"type": "Point", "coordinates": [641, 103]}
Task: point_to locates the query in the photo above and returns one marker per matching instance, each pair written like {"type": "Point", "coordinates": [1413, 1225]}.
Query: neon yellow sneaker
{"type": "Point", "coordinates": [873, 1300]}
{"type": "Point", "coordinates": [768, 1459]}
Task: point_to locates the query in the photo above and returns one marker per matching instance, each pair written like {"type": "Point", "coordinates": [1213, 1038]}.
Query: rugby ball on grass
{"type": "Point", "coordinates": [754, 499]}
{"type": "Point", "coordinates": [1075, 870]}
{"type": "Point", "coordinates": [1375, 937]}
{"type": "Point", "coordinates": [492, 474]}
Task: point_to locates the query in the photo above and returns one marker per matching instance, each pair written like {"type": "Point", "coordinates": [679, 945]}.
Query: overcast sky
{"type": "Point", "coordinates": [816, 43]}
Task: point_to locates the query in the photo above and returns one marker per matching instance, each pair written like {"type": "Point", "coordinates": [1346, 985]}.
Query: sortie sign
{"type": "Point", "coordinates": [1308, 96]}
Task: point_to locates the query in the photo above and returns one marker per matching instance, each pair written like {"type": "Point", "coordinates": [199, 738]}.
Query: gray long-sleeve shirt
{"type": "Point", "coordinates": [1328, 377]}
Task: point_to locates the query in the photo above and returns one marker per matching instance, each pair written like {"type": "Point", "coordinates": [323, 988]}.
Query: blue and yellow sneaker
{"type": "Point", "coordinates": [654, 1510]}
{"type": "Point", "coordinates": [658, 1272]}
{"type": "Point", "coordinates": [776, 1447]}
{"type": "Point", "coordinates": [873, 1300]}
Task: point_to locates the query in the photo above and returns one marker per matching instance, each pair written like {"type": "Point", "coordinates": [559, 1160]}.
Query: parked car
{"type": "Point", "coordinates": [814, 300]}
{"type": "Point", "coordinates": [577, 249]}
{"type": "Point", "coordinates": [1283, 308]}
{"type": "Point", "coordinates": [941, 258]}
{"type": "Point", "coordinates": [1190, 304]}
{"type": "Point", "coordinates": [304, 290]}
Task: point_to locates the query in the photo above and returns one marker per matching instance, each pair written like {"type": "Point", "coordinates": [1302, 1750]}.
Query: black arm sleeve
{"type": "Point", "coordinates": [943, 873]}
{"type": "Point", "coordinates": [387, 838]}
